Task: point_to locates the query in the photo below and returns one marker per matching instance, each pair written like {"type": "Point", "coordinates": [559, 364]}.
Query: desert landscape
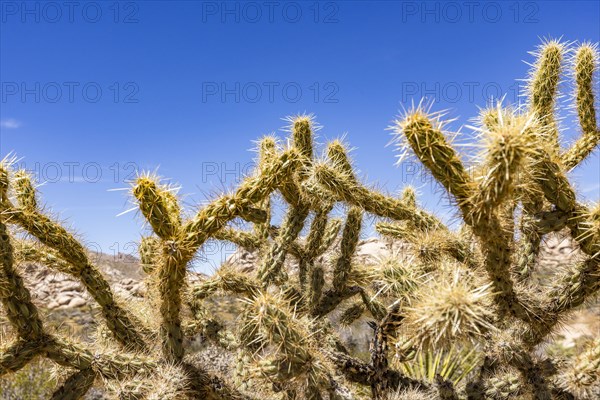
{"type": "Point", "coordinates": [483, 288]}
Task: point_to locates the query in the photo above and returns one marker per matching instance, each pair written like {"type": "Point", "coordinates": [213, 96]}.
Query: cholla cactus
{"type": "Point", "coordinates": [454, 314]}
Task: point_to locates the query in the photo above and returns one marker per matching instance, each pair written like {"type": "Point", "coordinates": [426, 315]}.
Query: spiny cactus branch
{"type": "Point", "coordinates": [585, 65]}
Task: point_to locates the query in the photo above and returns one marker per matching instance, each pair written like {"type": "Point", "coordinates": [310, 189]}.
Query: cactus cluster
{"type": "Point", "coordinates": [454, 313]}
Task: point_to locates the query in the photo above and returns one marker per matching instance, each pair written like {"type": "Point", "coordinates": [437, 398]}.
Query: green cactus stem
{"type": "Point", "coordinates": [585, 65]}
{"type": "Point", "coordinates": [15, 297]}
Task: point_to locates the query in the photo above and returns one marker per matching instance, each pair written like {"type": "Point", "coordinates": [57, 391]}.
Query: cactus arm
{"type": "Point", "coordinates": [533, 373]}
{"type": "Point", "coordinates": [227, 280]}
{"type": "Point", "coordinates": [532, 239]}
{"type": "Point", "coordinates": [358, 371]}
{"type": "Point", "coordinates": [331, 298]}
{"type": "Point", "coordinates": [118, 320]}
{"type": "Point", "coordinates": [314, 243]}
{"type": "Point", "coordinates": [585, 66]}
{"type": "Point", "coordinates": [352, 313]}
{"type": "Point", "coordinates": [379, 350]}
{"type": "Point", "coordinates": [543, 90]}
{"type": "Point", "coordinates": [304, 270]}
{"type": "Point", "coordinates": [302, 140]}
{"type": "Point", "coordinates": [292, 193]}
{"type": "Point", "coordinates": [375, 308]}
{"type": "Point", "coordinates": [121, 322]}
{"type": "Point", "coordinates": [270, 318]}
{"type": "Point", "coordinates": [252, 190]}
{"type": "Point", "coordinates": [557, 190]}
{"type": "Point", "coordinates": [149, 251]}
{"type": "Point", "coordinates": [17, 354]}
{"type": "Point", "coordinates": [58, 238]}
{"type": "Point", "coordinates": [210, 387]}
{"type": "Point", "coordinates": [573, 288]}
{"type": "Point", "coordinates": [374, 202]}
{"type": "Point", "coordinates": [331, 233]}
{"type": "Point", "coordinates": [315, 284]}
{"type": "Point", "coordinates": [345, 182]}
{"type": "Point", "coordinates": [107, 365]}
{"type": "Point", "coordinates": [48, 232]}
{"type": "Point", "coordinates": [171, 280]}
{"type": "Point", "coordinates": [425, 137]}
{"type": "Point", "coordinates": [15, 297]}
{"type": "Point", "coordinates": [449, 243]}
{"type": "Point", "coordinates": [528, 248]}
{"type": "Point", "coordinates": [192, 234]}
{"type": "Point", "coordinates": [339, 158]}
{"type": "Point", "coordinates": [554, 184]}
{"type": "Point", "coordinates": [318, 230]}
{"type": "Point", "coordinates": [430, 146]}
{"type": "Point", "coordinates": [354, 370]}
{"type": "Point", "coordinates": [299, 208]}
{"type": "Point", "coordinates": [291, 227]}
{"type": "Point", "coordinates": [508, 149]}
{"type": "Point", "coordinates": [267, 152]}
{"type": "Point", "coordinates": [24, 191]}
{"type": "Point", "coordinates": [261, 229]}
{"type": "Point", "coordinates": [159, 207]}
{"type": "Point", "coordinates": [550, 221]}
{"type": "Point", "coordinates": [302, 128]}
{"type": "Point", "coordinates": [76, 386]}
{"type": "Point", "coordinates": [395, 231]}
{"type": "Point", "coordinates": [246, 240]}
{"type": "Point", "coordinates": [350, 237]}
{"type": "Point", "coordinates": [582, 374]}
{"type": "Point", "coordinates": [295, 249]}
{"type": "Point", "coordinates": [497, 264]}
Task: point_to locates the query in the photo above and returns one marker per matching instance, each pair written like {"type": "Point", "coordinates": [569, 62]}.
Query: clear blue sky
{"type": "Point", "coordinates": [92, 91]}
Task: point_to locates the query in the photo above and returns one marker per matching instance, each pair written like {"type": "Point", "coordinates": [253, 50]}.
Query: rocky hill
{"type": "Point", "coordinates": [55, 291]}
